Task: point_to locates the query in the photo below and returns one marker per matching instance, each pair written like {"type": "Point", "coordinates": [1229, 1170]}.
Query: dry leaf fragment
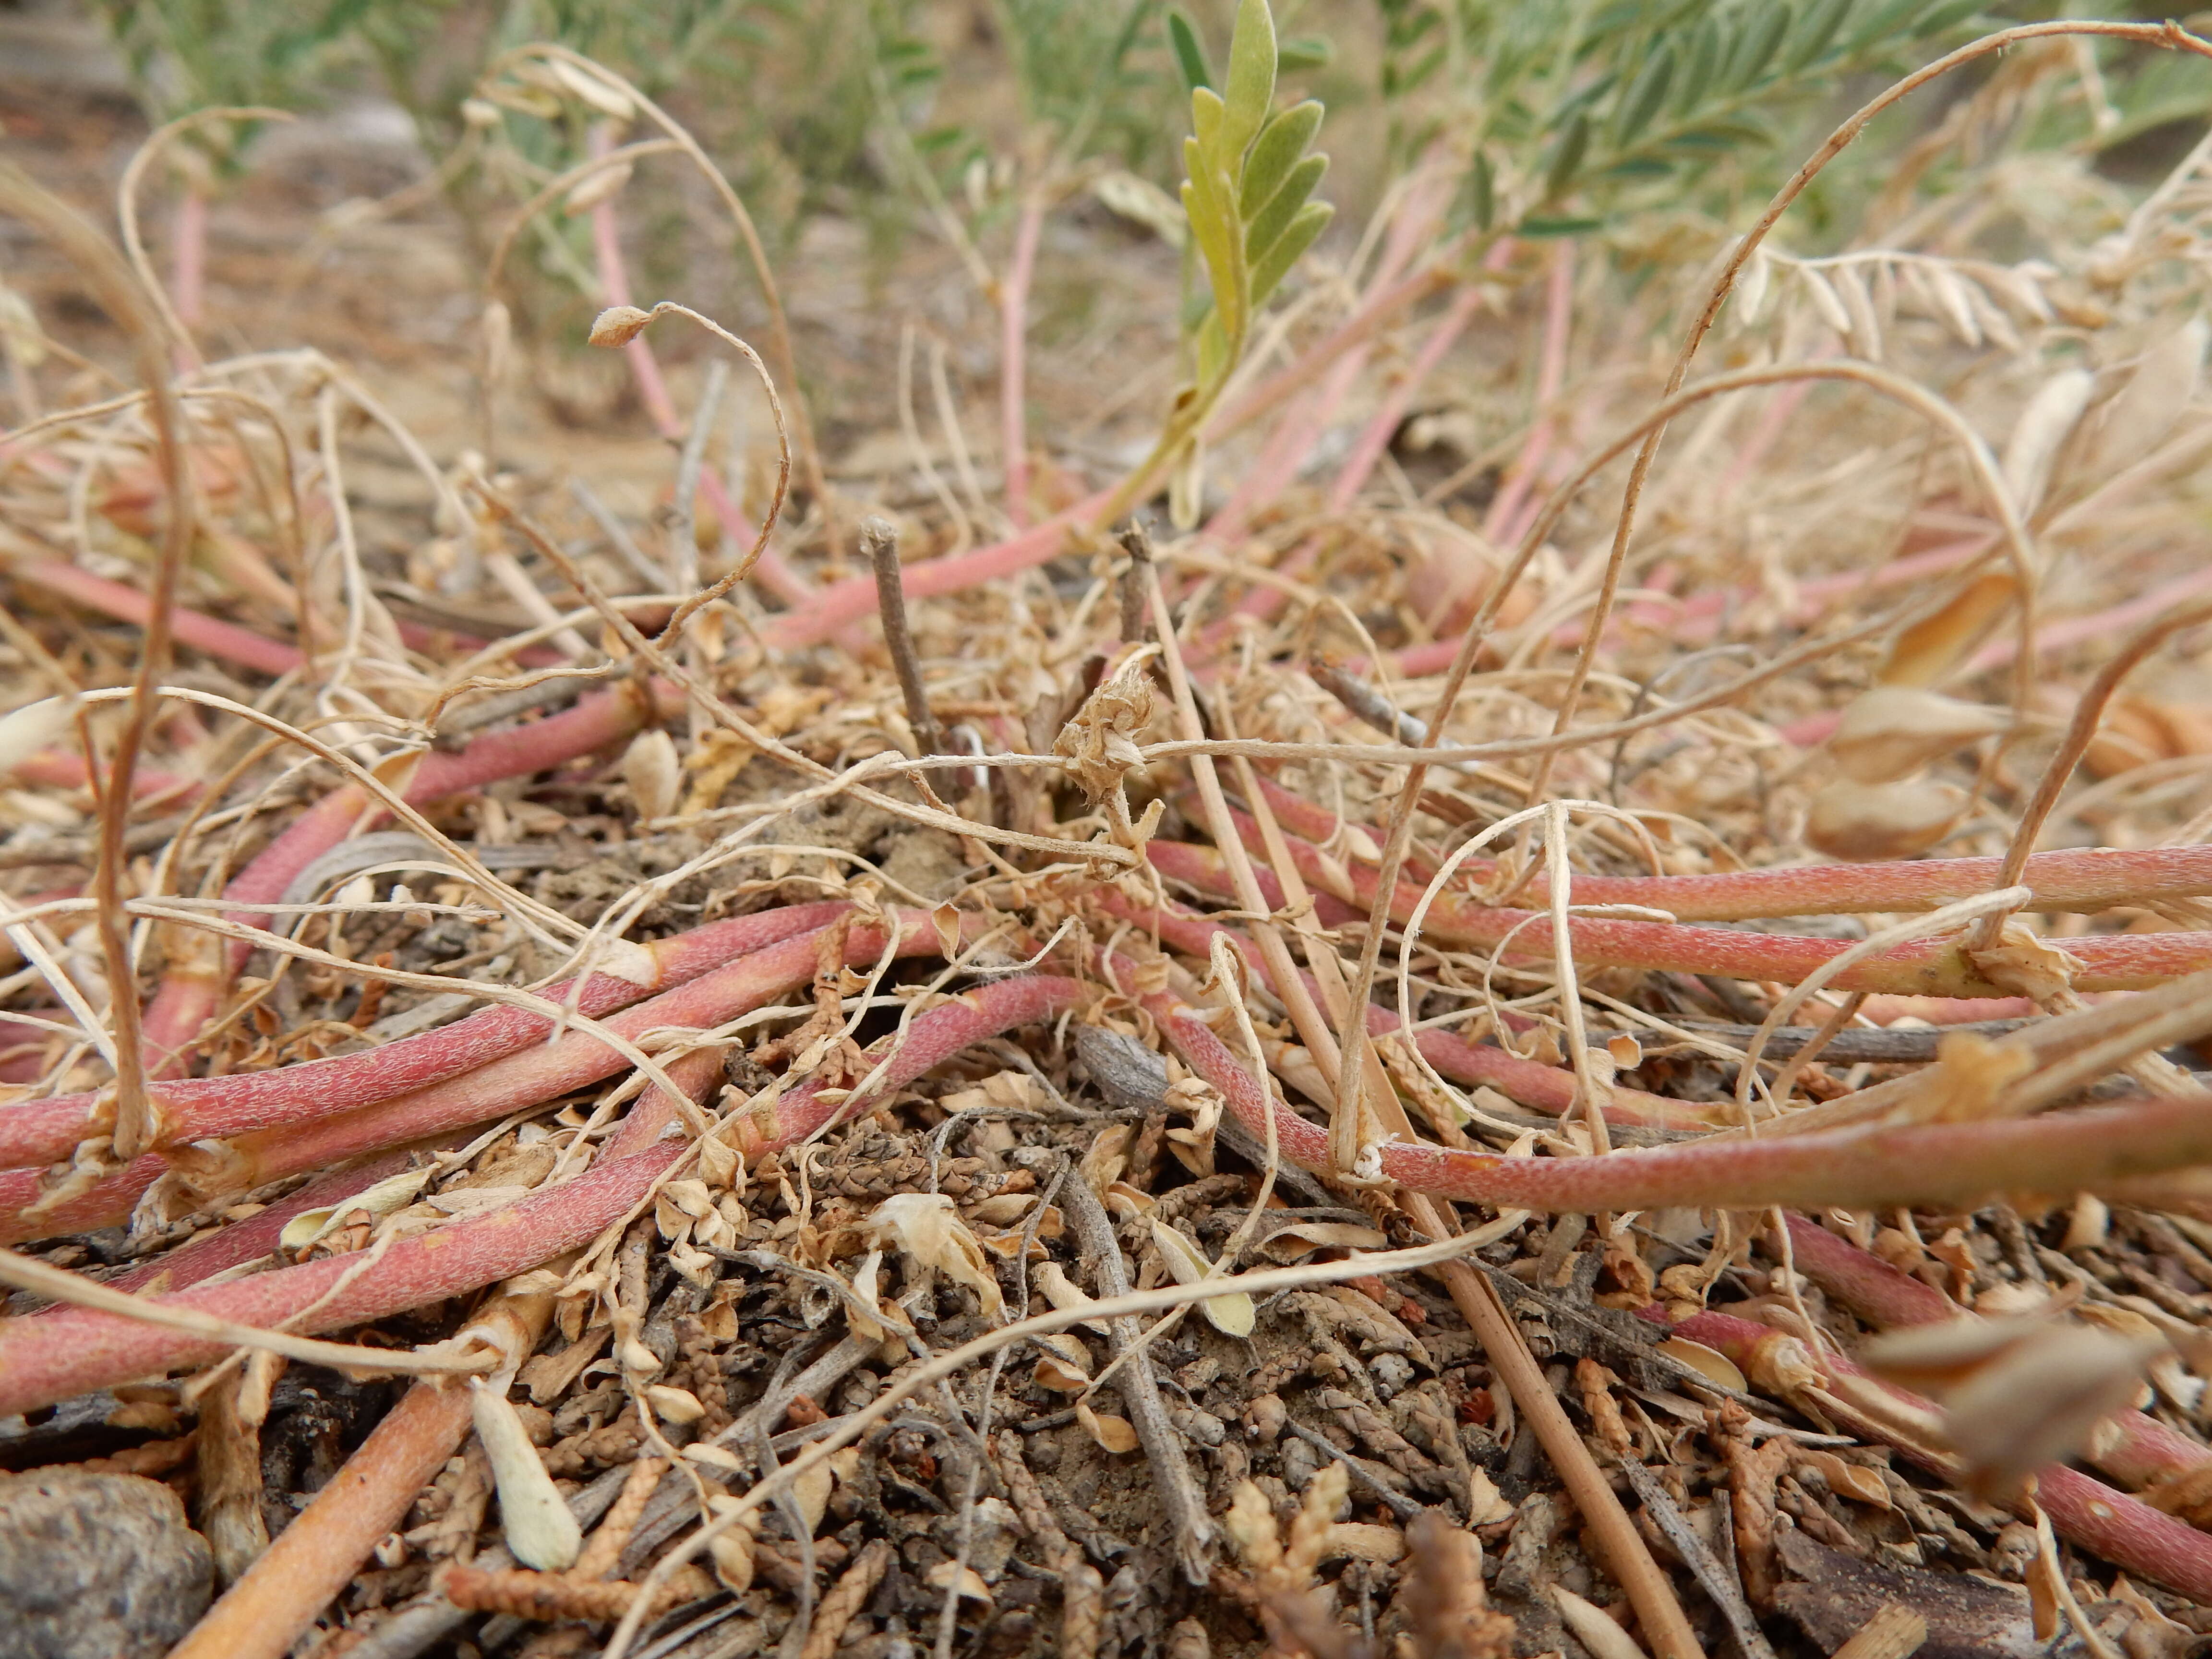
{"type": "Point", "coordinates": [2042, 426]}
{"type": "Point", "coordinates": [925, 1227]}
{"type": "Point", "coordinates": [1303, 1238]}
{"type": "Point", "coordinates": [1362, 1540]}
{"type": "Point", "coordinates": [1852, 1480]}
{"type": "Point", "coordinates": [675, 1405]}
{"type": "Point", "coordinates": [2026, 964]}
{"type": "Point", "coordinates": [1232, 1316]}
{"type": "Point", "coordinates": [387, 1197]}
{"type": "Point", "coordinates": [540, 1531]}
{"type": "Point", "coordinates": [32, 727]}
{"type": "Point", "coordinates": [2033, 1398]}
{"type": "Point", "coordinates": [946, 1574]}
{"type": "Point", "coordinates": [1114, 1434]}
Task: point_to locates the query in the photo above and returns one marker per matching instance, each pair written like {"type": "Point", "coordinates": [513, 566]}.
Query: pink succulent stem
{"type": "Point", "coordinates": [1929, 1164]}
{"type": "Point", "coordinates": [62, 768]}
{"type": "Point", "coordinates": [188, 277]}
{"type": "Point", "coordinates": [188, 628]}
{"type": "Point", "coordinates": [73, 1350]}
{"type": "Point", "coordinates": [38, 1132]}
{"type": "Point", "coordinates": [1551, 375]}
{"type": "Point", "coordinates": [2086, 880]}
{"type": "Point", "coordinates": [523, 1079]}
{"type": "Point", "coordinates": [1921, 968]}
{"type": "Point", "coordinates": [2074, 630]}
{"type": "Point", "coordinates": [1479, 1064]}
{"type": "Point", "coordinates": [836, 606]}
{"type": "Point", "coordinates": [1014, 330]}
{"type": "Point", "coordinates": [189, 994]}
{"type": "Point", "coordinates": [1698, 619]}
{"type": "Point", "coordinates": [2111, 1525]}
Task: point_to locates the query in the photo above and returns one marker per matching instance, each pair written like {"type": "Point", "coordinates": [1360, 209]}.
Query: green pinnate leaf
{"type": "Point", "coordinates": [1646, 94]}
{"type": "Point", "coordinates": [1757, 45]}
{"type": "Point", "coordinates": [1946, 14]}
{"type": "Point", "coordinates": [1281, 142]}
{"type": "Point", "coordinates": [1478, 193]}
{"type": "Point", "coordinates": [1305, 52]}
{"type": "Point", "coordinates": [1251, 82]}
{"type": "Point", "coordinates": [1708, 50]}
{"type": "Point", "coordinates": [1190, 54]}
{"type": "Point", "coordinates": [1814, 34]}
{"type": "Point", "coordinates": [1206, 118]}
{"type": "Point", "coordinates": [1308, 224]}
{"type": "Point", "coordinates": [1272, 220]}
{"type": "Point", "coordinates": [1567, 157]}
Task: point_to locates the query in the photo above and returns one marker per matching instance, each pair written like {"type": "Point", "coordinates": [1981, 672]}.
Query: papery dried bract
{"type": "Point", "coordinates": [925, 1227]}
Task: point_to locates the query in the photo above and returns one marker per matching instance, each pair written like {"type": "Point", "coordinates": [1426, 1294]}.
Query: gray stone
{"type": "Point", "coordinates": [96, 1566]}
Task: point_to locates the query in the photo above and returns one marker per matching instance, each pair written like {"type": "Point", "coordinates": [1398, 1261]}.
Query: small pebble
{"type": "Point", "coordinates": [96, 1566]}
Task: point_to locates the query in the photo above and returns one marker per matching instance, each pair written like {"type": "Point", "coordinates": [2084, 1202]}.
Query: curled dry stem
{"type": "Point", "coordinates": [135, 313]}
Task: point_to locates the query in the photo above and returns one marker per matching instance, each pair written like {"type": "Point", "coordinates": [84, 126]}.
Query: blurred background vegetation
{"type": "Point", "coordinates": [1633, 124]}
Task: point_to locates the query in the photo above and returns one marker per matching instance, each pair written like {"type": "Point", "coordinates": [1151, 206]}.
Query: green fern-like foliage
{"type": "Point", "coordinates": [1249, 174]}
{"type": "Point", "coordinates": [1573, 111]}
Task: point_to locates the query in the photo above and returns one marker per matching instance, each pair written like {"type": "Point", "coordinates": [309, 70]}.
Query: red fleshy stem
{"type": "Point", "coordinates": [2123, 1531]}
{"type": "Point", "coordinates": [39, 1131]}
{"type": "Point", "coordinates": [1479, 1064]}
{"type": "Point", "coordinates": [43, 1360]}
{"type": "Point", "coordinates": [2086, 880]}
{"type": "Point", "coordinates": [60, 769]}
{"type": "Point", "coordinates": [189, 995]}
{"type": "Point", "coordinates": [520, 1080]}
{"type": "Point", "coordinates": [189, 628]}
{"type": "Point", "coordinates": [841, 604]}
{"type": "Point", "coordinates": [2131, 961]}
{"type": "Point", "coordinates": [1929, 1164]}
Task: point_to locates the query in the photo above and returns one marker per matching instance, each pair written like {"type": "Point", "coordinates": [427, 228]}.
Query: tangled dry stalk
{"type": "Point", "coordinates": [1557, 948]}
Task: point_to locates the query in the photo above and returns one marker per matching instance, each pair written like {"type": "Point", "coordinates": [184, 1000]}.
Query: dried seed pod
{"type": "Point", "coordinates": [32, 727]}
{"type": "Point", "coordinates": [651, 768]}
{"type": "Point", "coordinates": [1867, 822]}
{"type": "Point", "coordinates": [2039, 1403]}
{"type": "Point", "coordinates": [1892, 730]}
{"type": "Point", "coordinates": [2051, 414]}
{"type": "Point", "coordinates": [596, 188]}
{"type": "Point", "coordinates": [618, 325]}
{"type": "Point", "coordinates": [610, 101]}
{"type": "Point", "coordinates": [540, 1531]}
